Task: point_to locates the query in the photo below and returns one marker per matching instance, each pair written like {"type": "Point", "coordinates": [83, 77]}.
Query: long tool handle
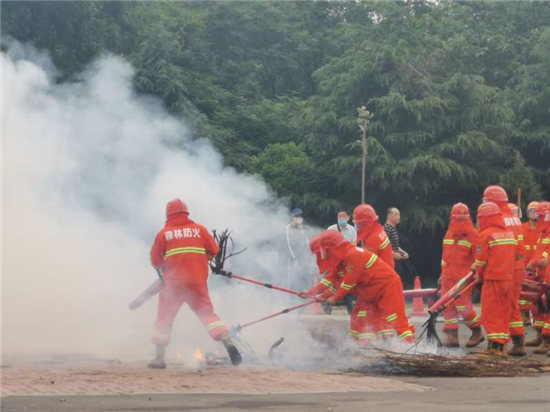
{"type": "Point", "coordinates": [282, 312]}
{"type": "Point", "coordinates": [267, 285]}
{"type": "Point", "coordinates": [161, 278]}
{"type": "Point", "coordinates": [463, 285]}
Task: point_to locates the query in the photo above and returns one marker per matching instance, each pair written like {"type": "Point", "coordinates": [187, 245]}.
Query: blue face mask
{"type": "Point", "coordinates": [342, 222]}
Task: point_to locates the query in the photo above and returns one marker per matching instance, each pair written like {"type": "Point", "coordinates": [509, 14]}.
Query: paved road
{"type": "Point", "coordinates": [530, 394]}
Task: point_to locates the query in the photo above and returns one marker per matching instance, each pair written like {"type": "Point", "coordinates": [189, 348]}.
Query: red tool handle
{"type": "Point", "coordinates": [282, 312]}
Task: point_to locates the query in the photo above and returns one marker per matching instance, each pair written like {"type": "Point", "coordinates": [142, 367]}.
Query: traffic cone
{"type": "Point", "coordinates": [418, 303]}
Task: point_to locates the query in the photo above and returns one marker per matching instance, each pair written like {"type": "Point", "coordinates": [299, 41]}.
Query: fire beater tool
{"type": "Point", "coordinates": [463, 285]}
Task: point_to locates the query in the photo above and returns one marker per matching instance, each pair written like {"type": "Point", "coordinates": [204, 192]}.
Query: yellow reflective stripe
{"type": "Point", "coordinates": [516, 324]}
{"type": "Point", "coordinates": [371, 261]}
{"type": "Point", "coordinates": [464, 243]}
{"type": "Point", "coordinates": [385, 332]}
{"type": "Point", "coordinates": [546, 326]}
{"type": "Point", "coordinates": [545, 241]}
{"type": "Point", "coordinates": [471, 322]}
{"type": "Point", "coordinates": [451, 321]}
{"type": "Point", "coordinates": [545, 254]}
{"type": "Point", "coordinates": [442, 262]}
{"type": "Point", "coordinates": [405, 335]}
{"type": "Point", "coordinates": [160, 335]}
{"type": "Point", "coordinates": [524, 302]}
{"type": "Point", "coordinates": [460, 307]}
{"type": "Point", "coordinates": [214, 325]}
{"type": "Point", "coordinates": [480, 263]}
{"type": "Point", "coordinates": [328, 284]}
{"type": "Point", "coordinates": [353, 333]}
{"type": "Point", "coordinates": [520, 237]}
{"type": "Point", "coordinates": [361, 313]}
{"type": "Point", "coordinates": [539, 323]}
{"type": "Point", "coordinates": [527, 247]}
{"type": "Point", "coordinates": [392, 317]}
{"type": "Point", "coordinates": [448, 241]}
{"type": "Point", "coordinates": [366, 335]}
{"type": "Point", "coordinates": [497, 336]}
{"type": "Point", "coordinates": [384, 244]}
{"type": "Point", "coordinates": [503, 242]}
{"type": "Point", "coordinates": [179, 250]}
{"type": "Point", "coordinates": [345, 286]}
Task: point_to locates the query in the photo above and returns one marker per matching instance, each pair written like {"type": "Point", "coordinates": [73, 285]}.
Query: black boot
{"type": "Point", "coordinates": [158, 362]}
{"type": "Point", "coordinates": [231, 349]}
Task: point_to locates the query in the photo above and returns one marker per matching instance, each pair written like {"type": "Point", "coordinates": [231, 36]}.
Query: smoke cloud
{"type": "Point", "coordinates": [88, 167]}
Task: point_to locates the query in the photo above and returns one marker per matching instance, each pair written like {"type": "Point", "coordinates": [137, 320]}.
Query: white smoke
{"type": "Point", "coordinates": [88, 167]}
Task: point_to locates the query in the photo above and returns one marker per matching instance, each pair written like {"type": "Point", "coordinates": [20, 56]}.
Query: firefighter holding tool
{"type": "Point", "coordinates": [540, 264]}
{"type": "Point", "coordinates": [378, 288]}
{"type": "Point", "coordinates": [496, 253]}
{"type": "Point", "coordinates": [181, 250]}
{"type": "Point", "coordinates": [498, 195]}
{"type": "Point", "coordinates": [457, 259]}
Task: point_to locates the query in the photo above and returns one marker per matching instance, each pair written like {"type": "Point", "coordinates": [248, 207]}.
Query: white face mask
{"type": "Point", "coordinates": [298, 220]}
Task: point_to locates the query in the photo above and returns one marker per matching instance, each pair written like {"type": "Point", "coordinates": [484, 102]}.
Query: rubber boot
{"type": "Point", "coordinates": [526, 317]}
{"type": "Point", "coordinates": [451, 339]}
{"type": "Point", "coordinates": [493, 349]}
{"type": "Point", "coordinates": [518, 348]}
{"type": "Point", "coordinates": [497, 349]}
{"type": "Point", "coordinates": [544, 347]}
{"type": "Point", "coordinates": [476, 338]}
{"type": "Point", "coordinates": [231, 349]}
{"type": "Point", "coordinates": [537, 340]}
{"type": "Point", "coordinates": [158, 362]}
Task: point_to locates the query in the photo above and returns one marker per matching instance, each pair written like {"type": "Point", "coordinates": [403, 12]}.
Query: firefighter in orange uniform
{"type": "Point", "coordinates": [540, 264]}
{"type": "Point", "coordinates": [530, 238]}
{"type": "Point", "coordinates": [496, 252]}
{"type": "Point", "coordinates": [181, 251]}
{"type": "Point", "coordinates": [378, 287]}
{"type": "Point", "coordinates": [328, 287]}
{"type": "Point", "coordinates": [458, 257]}
{"type": "Point", "coordinates": [497, 195]}
{"type": "Point", "coordinates": [372, 234]}
{"type": "Point", "coordinates": [375, 240]}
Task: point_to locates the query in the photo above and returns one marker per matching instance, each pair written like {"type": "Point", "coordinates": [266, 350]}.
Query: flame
{"type": "Point", "coordinates": [199, 356]}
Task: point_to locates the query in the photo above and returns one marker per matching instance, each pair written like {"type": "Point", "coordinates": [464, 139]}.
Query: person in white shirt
{"type": "Point", "coordinates": [345, 228]}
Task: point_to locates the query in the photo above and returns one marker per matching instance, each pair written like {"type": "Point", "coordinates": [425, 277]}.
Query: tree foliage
{"type": "Point", "coordinates": [459, 92]}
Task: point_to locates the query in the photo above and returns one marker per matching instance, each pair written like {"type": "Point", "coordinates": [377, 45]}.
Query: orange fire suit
{"type": "Point", "coordinates": [181, 250]}
{"type": "Point", "coordinates": [530, 237]}
{"type": "Point", "coordinates": [512, 222]}
{"type": "Point", "coordinates": [378, 289]}
{"type": "Point", "coordinates": [542, 320]}
{"type": "Point", "coordinates": [496, 251]}
{"type": "Point", "coordinates": [456, 261]}
{"type": "Point", "coordinates": [377, 242]}
{"type": "Point", "coordinates": [359, 330]}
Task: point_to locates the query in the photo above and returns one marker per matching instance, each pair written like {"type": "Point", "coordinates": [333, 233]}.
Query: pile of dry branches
{"type": "Point", "coordinates": [420, 364]}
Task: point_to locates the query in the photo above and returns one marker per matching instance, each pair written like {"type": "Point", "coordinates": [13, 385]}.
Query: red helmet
{"type": "Point", "coordinates": [495, 194]}
{"type": "Point", "coordinates": [488, 209]}
{"type": "Point", "coordinates": [315, 245]}
{"type": "Point", "coordinates": [175, 206]}
{"type": "Point", "coordinates": [331, 239]}
{"type": "Point", "coordinates": [364, 213]}
{"type": "Point", "coordinates": [542, 209]}
{"type": "Point", "coordinates": [460, 211]}
{"type": "Point", "coordinates": [533, 205]}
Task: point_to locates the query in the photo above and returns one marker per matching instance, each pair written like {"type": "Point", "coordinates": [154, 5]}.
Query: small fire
{"type": "Point", "coordinates": [199, 356]}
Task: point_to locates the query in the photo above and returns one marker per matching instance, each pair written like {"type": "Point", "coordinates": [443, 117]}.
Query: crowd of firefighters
{"type": "Point", "coordinates": [502, 252]}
